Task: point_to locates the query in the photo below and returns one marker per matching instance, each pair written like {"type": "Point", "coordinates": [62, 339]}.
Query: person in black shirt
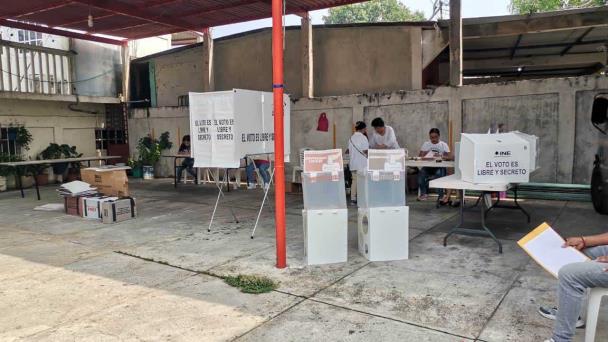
{"type": "Point", "coordinates": [187, 163]}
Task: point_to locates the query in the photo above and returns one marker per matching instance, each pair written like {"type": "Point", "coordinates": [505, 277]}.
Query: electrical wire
{"type": "Point", "coordinates": [22, 77]}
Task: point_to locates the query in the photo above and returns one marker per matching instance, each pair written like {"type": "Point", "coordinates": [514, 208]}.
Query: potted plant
{"type": "Point", "coordinates": [136, 170]}
{"type": "Point", "coordinates": [6, 171]}
{"type": "Point", "coordinates": [149, 151]}
{"type": "Point", "coordinates": [149, 154]}
{"type": "Point", "coordinates": [64, 151]}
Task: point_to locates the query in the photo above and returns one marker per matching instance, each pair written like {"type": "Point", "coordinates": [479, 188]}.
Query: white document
{"type": "Point", "coordinates": [545, 246]}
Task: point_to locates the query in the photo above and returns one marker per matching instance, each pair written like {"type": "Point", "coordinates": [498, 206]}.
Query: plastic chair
{"type": "Point", "coordinates": [593, 311]}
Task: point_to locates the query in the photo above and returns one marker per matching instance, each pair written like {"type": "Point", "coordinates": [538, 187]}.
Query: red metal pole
{"type": "Point", "coordinates": [277, 90]}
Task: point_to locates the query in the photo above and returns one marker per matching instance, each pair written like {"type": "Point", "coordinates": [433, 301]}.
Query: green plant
{"type": "Point", "coordinates": [6, 171]}
{"type": "Point", "coordinates": [164, 142]}
{"type": "Point", "coordinates": [134, 164]}
{"type": "Point", "coordinates": [56, 151]}
{"type": "Point", "coordinates": [148, 150]}
{"type": "Point", "coordinates": [252, 283]}
{"type": "Point", "coordinates": [24, 137]}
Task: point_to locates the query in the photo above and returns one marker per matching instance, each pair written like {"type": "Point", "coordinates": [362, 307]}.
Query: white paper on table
{"type": "Point", "coordinates": [76, 187]}
{"type": "Point", "coordinates": [544, 245]}
{"type": "Point", "coordinates": [429, 155]}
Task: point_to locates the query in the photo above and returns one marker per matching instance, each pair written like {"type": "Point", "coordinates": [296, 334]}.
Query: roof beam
{"type": "Point", "coordinates": [536, 61]}
{"type": "Point", "coordinates": [578, 40]}
{"type": "Point", "coordinates": [539, 46]}
{"type": "Point", "coordinates": [139, 13]}
{"type": "Point", "coordinates": [545, 22]}
{"type": "Point", "coordinates": [64, 33]}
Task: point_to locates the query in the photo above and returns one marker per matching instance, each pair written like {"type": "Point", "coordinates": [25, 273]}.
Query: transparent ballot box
{"type": "Point", "coordinates": [323, 180]}
{"type": "Point", "coordinates": [383, 183]}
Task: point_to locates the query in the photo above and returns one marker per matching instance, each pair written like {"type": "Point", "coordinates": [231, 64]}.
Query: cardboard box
{"type": "Point", "coordinates": [108, 181]}
{"type": "Point", "coordinates": [494, 158]}
{"type": "Point", "coordinates": [73, 205]}
{"type": "Point", "coordinates": [91, 206]}
{"type": "Point", "coordinates": [118, 210]}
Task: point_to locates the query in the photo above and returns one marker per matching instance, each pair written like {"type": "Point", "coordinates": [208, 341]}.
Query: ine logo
{"type": "Point", "coordinates": [502, 153]}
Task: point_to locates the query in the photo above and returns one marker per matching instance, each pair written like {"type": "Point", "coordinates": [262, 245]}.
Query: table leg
{"type": "Point", "coordinates": [89, 163]}
{"type": "Point", "coordinates": [227, 181]}
{"type": "Point", "coordinates": [484, 231]}
{"type": "Point", "coordinates": [515, 205]}
{"type": "Point", "coordinates": [518, 206]}
{"type": "Point", "coordinates": [175, 172]}
{"type": "Point", "coordinates": [19, 181]}
{"type": "Point", "coordinates": [36, 183]}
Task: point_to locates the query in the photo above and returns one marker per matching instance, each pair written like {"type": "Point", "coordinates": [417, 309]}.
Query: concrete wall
{"type": "Point", "coordinates": [177, 74]}
{"type": "Point", "coordinates": [53, 121]}
{"type": "Point", "coordinates": [97, 68]}
{"type": "Point", "coordinates": [345, 60]}
{"type": "Point", "coordinates": [557, 110]}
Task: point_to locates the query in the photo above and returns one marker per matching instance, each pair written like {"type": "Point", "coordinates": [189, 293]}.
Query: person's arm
{"type": "Point", "coordinates": [424, 149]}
{"type": "Point", "coordinates": [448, 155]}
{"type": "Point", "coordinates": [392, 140]}
{"type": "Point", "coordinates": [581, 242]}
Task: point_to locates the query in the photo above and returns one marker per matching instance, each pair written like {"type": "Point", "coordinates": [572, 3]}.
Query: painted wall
{"type": "Point", "coordinates": [558, 110]}
{"type": "Point", "coordinates": [53, 121]}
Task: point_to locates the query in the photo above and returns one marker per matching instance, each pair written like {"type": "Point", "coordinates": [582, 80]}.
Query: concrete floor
{"type": "Point", "coordinates": [63, 278]}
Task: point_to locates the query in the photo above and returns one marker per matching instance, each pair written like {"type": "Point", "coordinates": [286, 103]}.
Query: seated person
{"type": "Point", "coordinates": [262, 166]}
{"type": "Point", "coordinates": [187, 163]}
{"type": "Point", "coordinates": [439, 149]}
{"type": "Point", "coordinates": [574, 280]}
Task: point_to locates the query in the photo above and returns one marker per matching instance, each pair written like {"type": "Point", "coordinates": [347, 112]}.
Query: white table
{"type": "Point", "coordinates": [454, 182]}
{"type": "Point", "coordinates": [428, 163]}
{"type": "Point", "coordinates": [49, 162]}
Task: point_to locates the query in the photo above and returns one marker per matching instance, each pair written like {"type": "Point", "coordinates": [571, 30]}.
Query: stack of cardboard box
{"type": "Point", "coordinates": [111, 204]}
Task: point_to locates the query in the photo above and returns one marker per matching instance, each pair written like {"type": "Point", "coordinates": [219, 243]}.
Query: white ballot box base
{"type": "Point", "coordinates": [325, 236]}
{"type": "Point", "coordinates": [383, 233]}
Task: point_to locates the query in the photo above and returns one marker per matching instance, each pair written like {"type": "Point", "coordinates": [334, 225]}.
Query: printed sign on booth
{"type": "Point", "coordinates": [228, 125]}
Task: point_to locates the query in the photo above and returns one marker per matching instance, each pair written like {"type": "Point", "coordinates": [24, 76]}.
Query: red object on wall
{"type": "Point", "coordinates": [323, 124]}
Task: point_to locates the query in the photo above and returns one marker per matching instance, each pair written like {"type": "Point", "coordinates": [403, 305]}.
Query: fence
{"type": "Point", "coordinates": [35, 69]}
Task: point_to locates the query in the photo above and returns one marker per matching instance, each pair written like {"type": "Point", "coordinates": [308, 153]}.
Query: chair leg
{"type": "Point", "coordinates": [593, 309]}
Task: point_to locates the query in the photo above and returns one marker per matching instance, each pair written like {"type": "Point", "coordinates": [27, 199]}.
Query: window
{"type": "Point", "coordinates": [8, 141]}
{"type": "Point", "coordinates": [105, 136]}
{"type": "Point", "coordinates": [30, 37]}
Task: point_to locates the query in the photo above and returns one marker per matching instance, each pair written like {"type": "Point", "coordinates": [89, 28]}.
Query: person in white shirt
{"type": "Point", "coordinates": [384, 136]}
{"type": "Point", "coordinates": [437, 149]}
{"type": "Point", "coordinates": [357, 149]}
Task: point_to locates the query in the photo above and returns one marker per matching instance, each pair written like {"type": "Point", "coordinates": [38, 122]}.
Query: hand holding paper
{"type": "Point", "coordinates": [546, 247]}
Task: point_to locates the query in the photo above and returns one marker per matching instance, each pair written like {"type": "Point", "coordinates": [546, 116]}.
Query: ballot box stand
{"type": "Point", "coordinates": [325, 217]}
{"type": "Point", "coordinates": [383, 217]}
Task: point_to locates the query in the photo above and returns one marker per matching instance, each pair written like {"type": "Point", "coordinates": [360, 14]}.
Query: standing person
{"type": "Point", "coordinates": [262, 166]}
{"type": "Point", "coordinates": [384, 136]}
{"type": "Point", "coordinates": [187, 163]}
{"type": "Point", "coordinates": [574, 280]}
{"type": "Point", "coordinates": [439, 149]}
{"type": "Point", "coordinates": [357, 149]}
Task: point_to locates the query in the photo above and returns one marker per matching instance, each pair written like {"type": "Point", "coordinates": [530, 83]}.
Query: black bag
{"type": "Point", "coordinates": [348, 176]}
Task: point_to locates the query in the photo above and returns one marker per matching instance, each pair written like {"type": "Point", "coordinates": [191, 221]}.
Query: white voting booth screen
{"type": "Point", "coordinates": [226, 126]}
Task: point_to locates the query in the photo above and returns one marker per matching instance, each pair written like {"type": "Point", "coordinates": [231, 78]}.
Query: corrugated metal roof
{"type": "Point", "coordinates": [133, 19]}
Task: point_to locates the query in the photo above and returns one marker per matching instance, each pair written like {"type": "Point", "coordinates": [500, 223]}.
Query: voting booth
{"type": "Point", "coordinates": [495, 158]}
{"type": "Point", "coordinates": [226, 126]}
{"type": "Point", "coordinates": [534, 149]}
{"type": "Point", "coordinates": [383, 217]}
{"type": "Point", "coordinates": [325, 216]}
